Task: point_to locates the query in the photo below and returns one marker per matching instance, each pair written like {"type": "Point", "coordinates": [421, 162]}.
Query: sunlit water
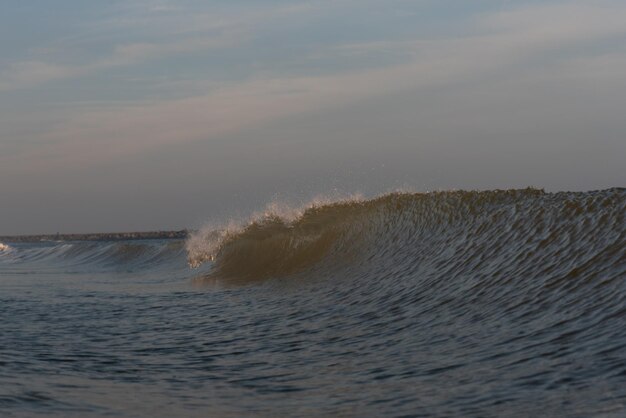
{"type": "Point", "coordinates": [450, 304]}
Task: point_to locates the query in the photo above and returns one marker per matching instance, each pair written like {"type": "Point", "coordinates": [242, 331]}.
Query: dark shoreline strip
{"type": "Point", "coordinates": [113, 236]}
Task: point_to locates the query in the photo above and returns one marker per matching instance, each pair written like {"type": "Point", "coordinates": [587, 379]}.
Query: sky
{"type": "Point", "coordinates": [155, 114]}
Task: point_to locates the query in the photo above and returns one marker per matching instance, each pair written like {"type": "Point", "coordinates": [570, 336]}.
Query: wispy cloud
{"type": "Point", "coordinates": [502, 45]}
{"type": "Point", "coordinates": [25, 74]}
{"type": "Point", "coordinates": [28, 73]}
{"type": "Point", "coordinates": [193, 33]}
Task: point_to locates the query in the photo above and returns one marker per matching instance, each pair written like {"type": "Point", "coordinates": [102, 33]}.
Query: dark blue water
{"type": "Point", "coordinates": [451, 304]}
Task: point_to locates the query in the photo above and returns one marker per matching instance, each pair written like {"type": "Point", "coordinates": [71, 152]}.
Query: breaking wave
{"type": "Point", "coordinates": [4, 248]}
{"type": "Point", "coordinates": [504, 234]}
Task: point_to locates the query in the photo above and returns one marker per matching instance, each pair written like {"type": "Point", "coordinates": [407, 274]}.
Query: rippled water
{"type": "Point", "coordinates": [504, 303]}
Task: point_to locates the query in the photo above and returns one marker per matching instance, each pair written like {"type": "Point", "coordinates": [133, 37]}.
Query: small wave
{"type": "Point", "coordinates": [98, 255]}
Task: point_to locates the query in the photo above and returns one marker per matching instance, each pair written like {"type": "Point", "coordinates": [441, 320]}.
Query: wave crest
{"type": "Point", "coordinates": [279, 241]}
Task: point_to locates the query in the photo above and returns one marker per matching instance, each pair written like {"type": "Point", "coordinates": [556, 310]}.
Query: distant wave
{"type": "Point", "coordinates": [98, 255]}
{"type": "Point", "coordinates": [453, 232]}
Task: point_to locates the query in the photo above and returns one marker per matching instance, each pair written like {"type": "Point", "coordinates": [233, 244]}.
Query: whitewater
{"type": "Point", "coordinates": [456, 303]}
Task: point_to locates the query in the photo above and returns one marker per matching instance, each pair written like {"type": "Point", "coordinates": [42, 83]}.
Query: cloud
{"type": "Point", "coordinates": [28, 74]}
{"type": "Point", "coordinates": [194, 33]}
{"type": "Point", "coordinates": [135, 53]}
{"type": "Point", "coordinates": [503, 45]}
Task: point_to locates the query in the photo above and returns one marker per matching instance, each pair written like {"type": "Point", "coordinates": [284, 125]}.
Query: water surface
{"type": "Point", "coordinates": [503, 303]}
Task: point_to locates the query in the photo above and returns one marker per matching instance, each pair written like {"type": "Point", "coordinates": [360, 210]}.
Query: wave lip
{"type": "Point", "coordinates": [408, 231]}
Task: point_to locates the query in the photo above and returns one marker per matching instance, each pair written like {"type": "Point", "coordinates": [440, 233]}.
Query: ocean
{"type": "Point", "coordinates": [472, 304]}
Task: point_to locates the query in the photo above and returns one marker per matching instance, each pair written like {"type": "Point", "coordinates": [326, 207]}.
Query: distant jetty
{"type": "Point", "coordinates": [112, 236]}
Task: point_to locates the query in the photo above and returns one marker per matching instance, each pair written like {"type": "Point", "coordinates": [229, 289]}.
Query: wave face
{"type": "Point", "coordinates": [502, 236]}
